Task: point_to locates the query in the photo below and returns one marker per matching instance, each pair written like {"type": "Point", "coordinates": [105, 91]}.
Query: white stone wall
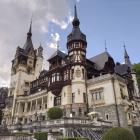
{"type": "Point", "coordinates": [38, 66]}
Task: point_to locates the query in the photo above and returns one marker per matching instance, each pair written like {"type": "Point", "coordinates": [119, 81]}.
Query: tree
{"type": "Point", "coordinates": [118, 133]}
{"type": "Point", "coordinates": [137, 68]}
{"type": "Point", "coordinates": [55, 113]}
{"type": "Point", "coordinates": [3, 95]}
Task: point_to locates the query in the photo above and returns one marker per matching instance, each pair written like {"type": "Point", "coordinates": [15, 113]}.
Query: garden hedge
{"type": "Point", "coordinates": [136, 130]}
{"type": "Point", "coordinates": [55, 113]}
{"type": "Point", "coordinates": [40, 135]}
{"type": "Point", "coordinates": [118, 133]}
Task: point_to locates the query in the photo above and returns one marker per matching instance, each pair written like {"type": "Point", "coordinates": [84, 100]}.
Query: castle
{"type": "Point", "coordinates": [73, 82]}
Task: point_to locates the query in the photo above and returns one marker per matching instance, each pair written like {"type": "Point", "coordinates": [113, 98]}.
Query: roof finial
{"type": "Point", "coordinates": [30, 30]}
{"type": "Point", "coordinates": [105, 47]}
{"type": "Point", "coordinates": [75, 11]}
{"type": "Point", "coordinates": [75, 21]}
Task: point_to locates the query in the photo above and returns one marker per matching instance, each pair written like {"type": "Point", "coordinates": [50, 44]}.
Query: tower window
{"type": "Point", "coordinates": [84, 97]}
{"type": "Point", "coordinates": [107, 116]}
{"type": "Point", "coordinates": [76, 44]}
{"type": "Point", "coordinates": [72, 73]}
{"type": "Point", "coordinates": [83, 72]}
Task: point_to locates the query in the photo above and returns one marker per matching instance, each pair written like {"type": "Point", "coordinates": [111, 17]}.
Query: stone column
{"type": "Point", "coordinates": [25, 109]}
{"type": "Point", "coordinates": [18, 110]}
{"type": "Point", "coordinates": [42, 104]}
{"type": "Point", "coordinates": [36, 106]}
{"type": "Point", "coordinates": [31, 106]}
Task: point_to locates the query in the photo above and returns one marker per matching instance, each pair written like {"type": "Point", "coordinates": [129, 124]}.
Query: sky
{"type": "Point", "coordinates": [117, 22]}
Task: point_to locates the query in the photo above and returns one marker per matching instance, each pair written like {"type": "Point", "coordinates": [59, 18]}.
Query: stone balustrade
{"type": "Point", "coordinates": [61, 123]}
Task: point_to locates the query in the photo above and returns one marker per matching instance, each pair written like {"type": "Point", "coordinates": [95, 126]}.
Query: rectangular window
{"type": "Point", "coordinates": [72, 74]}
{"type": "Point", "coordinates": [57, 77]}
{"type": "Point", "coordinates": [84, 97]}
{"type": "Point", "coordinates": [73, 97]}
{"type": "Point", "coordinates": [57, 101]}
{"type": "Point", "coordinates": [97, 96]}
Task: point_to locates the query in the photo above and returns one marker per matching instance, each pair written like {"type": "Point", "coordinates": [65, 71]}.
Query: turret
{"type": "Point", "coordinates": [133, 73]}
{"type": "Point", "coordinates": [76, 43]}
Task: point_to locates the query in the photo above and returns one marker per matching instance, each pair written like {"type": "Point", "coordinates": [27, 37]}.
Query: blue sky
{"type": "Point", "coordinates": [116, 21]}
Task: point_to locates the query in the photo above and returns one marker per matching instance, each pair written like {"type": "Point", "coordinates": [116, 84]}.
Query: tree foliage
{"type": "Point", "coordinates": [118, 133]}
{"type": "Point", "coordinates": [55, 113]}
{"type": "Point", "coordinates": [137, 68]}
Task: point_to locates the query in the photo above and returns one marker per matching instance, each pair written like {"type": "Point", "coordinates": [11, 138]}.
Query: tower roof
{"type": "Point", "coordinates": [101, 59]}
{"type": "Point", "coordinates": [76, 33]}
{"type": "Point", "coordinates": [57, 53]}
{"type": "Point", "coordinates": [28, 45]}
{"type": "Point", "coordinates": [127, 59]}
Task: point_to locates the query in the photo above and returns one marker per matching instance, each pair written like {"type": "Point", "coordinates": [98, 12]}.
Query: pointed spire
{"type": "Point", "coordinates": [29, 43]}
{"type": "Point", "coordinates": [75, 21]}
{"type": "Point", "coordinates": [126, 57]}
{"type": "Point", "coordinates": [29, 34]}
{"type": "Point", "coordinates": [75, 12]}
{"type": "Point", "coordinates": [125, 52]}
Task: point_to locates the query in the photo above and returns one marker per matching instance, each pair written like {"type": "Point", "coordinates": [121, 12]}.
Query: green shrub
{"type": "Point", "coordinates": [78, 138]}
{"type": "Point", "coordinates": [55, 113]}
{"type": "Point", "coordinates": [40, 135]}
{"type": "Point", "coordinates": [136, 130]}
{"type": "Point", "coordinates": [118, 133]}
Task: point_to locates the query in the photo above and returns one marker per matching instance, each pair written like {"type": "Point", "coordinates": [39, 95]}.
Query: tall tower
{"type": "Point", "coordinates": [25, 68]}
{"type": "Point", "coordinates": [133, 73]}
{"type": "Point", "coordinates": [76, 45]}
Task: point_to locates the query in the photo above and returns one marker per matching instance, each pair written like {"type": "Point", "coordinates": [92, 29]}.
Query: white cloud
{"type": "Point", "coordinates": [14, 23]}
{"type": "Point", "coordinates": [55, 37]}
{"type": "Point", "coordinates": [77, 1]}
{"type": "Point", "coordinates": [52, 45]}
